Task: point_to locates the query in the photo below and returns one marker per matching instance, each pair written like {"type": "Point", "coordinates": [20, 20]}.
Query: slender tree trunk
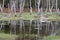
{"type": "Point", "coordinates": [56, 4]}
{"type": "Point", "coordinates": [49, 4]}
{"type": "Point", "coordinates": [22, 3]}
{"type": "Point", "coordinates": [3, 3]}
{"type": "Point", "coordinates": [30, 7]}
{"type": "Point", "coordinates": [38, 6]}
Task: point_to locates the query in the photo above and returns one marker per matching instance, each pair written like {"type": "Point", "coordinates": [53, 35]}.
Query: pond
{"type": "Point", "coordinates": [28, 29]}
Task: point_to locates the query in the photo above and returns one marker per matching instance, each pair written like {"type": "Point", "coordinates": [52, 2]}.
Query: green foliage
{"type": "Point", "coordinates": [52, 38]}
{"type": "Point", "coordinates": [27, 16]}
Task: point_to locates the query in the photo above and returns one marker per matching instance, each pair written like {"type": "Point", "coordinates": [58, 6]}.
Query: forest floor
{"type": "Point", "coordinates": [27, 16]}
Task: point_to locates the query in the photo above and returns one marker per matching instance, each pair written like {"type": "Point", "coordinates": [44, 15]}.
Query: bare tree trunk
{"type": "Point", "coordinates": [38, 2]}
{"type": "Point", "coordinates": [49, 4]}
{"type": "Point", "coordinates": [3, 3]}
{"type": "Point", "coordinates": [16, 3]}
{"type": "Point", "coordinates": [52, 3]}
{"type": "Point", "coordinates": [22, 3]}
{"type": "Point", "coordinates": [35, 3]}
{"type": "Point", "coordinates": [30, 7]}
{"type": "Point", "coordinates": [56, 4]}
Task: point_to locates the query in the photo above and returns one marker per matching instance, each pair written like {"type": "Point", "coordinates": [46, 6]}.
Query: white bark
{"type": "Point", "coordinates": [56, 4]}
{"type": "Point", "coordinates": [38, 6]}
{"type": "Point", "coordinates": [30, 8]}
{"type": "Point", "coordinates": [22, 3]}
{"type": "Point", "coordinates": [3, 3]}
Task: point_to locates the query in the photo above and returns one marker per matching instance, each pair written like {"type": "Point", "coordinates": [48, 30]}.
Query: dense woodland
{"type": "Point", "coordinates": [27, 2]}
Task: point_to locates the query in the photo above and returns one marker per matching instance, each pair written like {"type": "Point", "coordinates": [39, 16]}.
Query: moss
{"type": "Point", "coordinates": [27, 16]}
